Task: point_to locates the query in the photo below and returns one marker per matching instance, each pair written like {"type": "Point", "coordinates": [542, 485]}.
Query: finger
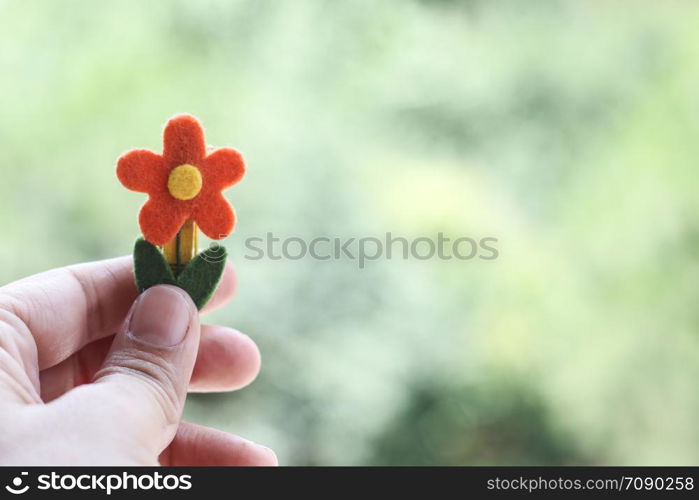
{"type": "Point", "coordinates": [227, 360]}
{"type": "Point", "coordinates": [196, 445]}
{"type": "Point", "coordinates": [145, 375]}
{"type": "Point", "coordinates": [67, 308]}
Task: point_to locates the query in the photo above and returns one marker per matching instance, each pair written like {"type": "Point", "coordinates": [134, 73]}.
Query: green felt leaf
{"type": "Point", "coordinates": [150, 267]}
{"type": "Point", "coordinates": [201, 275]}
{"type": "Point", "coordinates": [199, 278]}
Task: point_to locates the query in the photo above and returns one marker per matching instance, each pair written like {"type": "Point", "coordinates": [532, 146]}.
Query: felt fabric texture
{"type": "Point", "coordinates": [162, 216]}
{"type": "Point", "coordinates": [184, 182]}
{"type": "Point", "coordinates": [150, 267]}
{"type": "Point", "coordinates": [199, 278]}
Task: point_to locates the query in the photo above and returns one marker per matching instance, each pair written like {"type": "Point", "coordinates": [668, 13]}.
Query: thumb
{"type": "Point", "coordinates": [147, 371]}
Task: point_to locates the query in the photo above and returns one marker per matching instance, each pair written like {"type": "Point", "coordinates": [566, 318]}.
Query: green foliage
{"type": "Point", "coordinates": [150, 267]}
{"type": "Point", "coordinates": [199, 278]}
{"type": "Point", "coordinates": [201, 275]}
{"type": "Point", "coordinates": [495, 422]}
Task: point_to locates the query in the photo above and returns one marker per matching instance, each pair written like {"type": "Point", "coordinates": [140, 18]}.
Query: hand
{"type": "Point", "coordinates": [91, 374]}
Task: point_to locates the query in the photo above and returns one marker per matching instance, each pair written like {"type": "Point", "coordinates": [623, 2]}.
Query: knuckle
{"type": "Point", "coordinates": [15, 336]}
{"type": "Point", "coordinates": [156, 375]}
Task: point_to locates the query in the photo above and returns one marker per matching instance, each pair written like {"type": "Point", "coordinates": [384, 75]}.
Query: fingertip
{"type": "Point", "coordinates": [227, 360]}
{"type": "Point", "coordinates": [238, 451]}
{"type": "Point", "coordinates": [162, 316]}
{"type": "Point", "coordinates": [264, 457]}
{"type": "Point", "coordinates": [197, 445]}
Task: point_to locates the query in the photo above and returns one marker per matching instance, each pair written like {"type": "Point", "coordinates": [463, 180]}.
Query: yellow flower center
{"type": "Point", "coordinates": [184, 182]}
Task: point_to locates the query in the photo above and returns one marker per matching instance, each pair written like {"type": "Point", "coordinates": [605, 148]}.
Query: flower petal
{"type": "Point", "coordinates": [183, 141]}
{"type": "Point", "coordinates": [223, 168]}
{"type": "Point", "coordinates": [215, 216]}
{"type": "Point", "coordinates": [160, 219]}
{"type": "Point", "coordinates": [141, 170]}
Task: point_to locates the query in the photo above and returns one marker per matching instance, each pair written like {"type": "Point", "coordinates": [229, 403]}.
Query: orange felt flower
{"type": "Point", "coordinates": [183, 183]}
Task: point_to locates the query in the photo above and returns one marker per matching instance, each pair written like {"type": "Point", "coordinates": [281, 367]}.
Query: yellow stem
{"type": "Point", "coordinates": [181, 249]}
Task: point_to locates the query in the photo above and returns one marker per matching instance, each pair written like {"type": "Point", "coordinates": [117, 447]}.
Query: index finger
{"type": "Point", "coordinates": [65, 309]}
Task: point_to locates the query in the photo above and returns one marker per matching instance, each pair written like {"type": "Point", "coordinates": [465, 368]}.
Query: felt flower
{"type": "Point", "coordinates": [184, 183]}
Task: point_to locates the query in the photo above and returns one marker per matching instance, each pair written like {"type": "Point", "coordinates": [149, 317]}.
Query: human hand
{"type": "Point", "coordinates": [90, 377]}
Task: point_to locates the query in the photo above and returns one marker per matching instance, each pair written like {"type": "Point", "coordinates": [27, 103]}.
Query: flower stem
{"type": "Point", "coordinates": [181, 249]}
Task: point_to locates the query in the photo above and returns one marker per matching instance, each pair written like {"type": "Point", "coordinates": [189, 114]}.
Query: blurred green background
{"type": "Point", "coordinates": [569, 130]}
